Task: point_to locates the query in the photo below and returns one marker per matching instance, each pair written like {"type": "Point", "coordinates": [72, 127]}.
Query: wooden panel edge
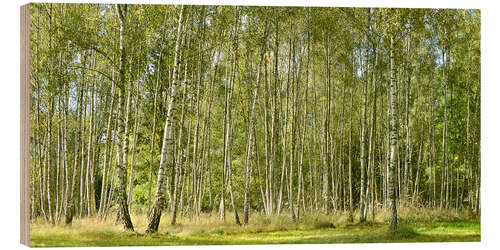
{"type": "Point", "coordinates": [25, 124]}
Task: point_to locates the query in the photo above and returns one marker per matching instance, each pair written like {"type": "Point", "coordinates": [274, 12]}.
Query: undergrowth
{"type": "Point", "coordinates": [415, 224]}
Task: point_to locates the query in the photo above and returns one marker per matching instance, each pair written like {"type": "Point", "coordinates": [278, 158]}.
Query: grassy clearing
{"type": "Point", "coordinates": [415, 225]}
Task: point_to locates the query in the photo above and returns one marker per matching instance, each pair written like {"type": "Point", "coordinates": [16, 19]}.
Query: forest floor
{"type": "Point", "coordinates": [417, 226]}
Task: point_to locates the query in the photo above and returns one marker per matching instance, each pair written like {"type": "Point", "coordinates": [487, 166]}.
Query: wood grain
{"type": "Point", "coordinates": [25, 125]}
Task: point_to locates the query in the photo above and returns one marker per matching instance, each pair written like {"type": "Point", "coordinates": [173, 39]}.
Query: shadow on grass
{"type": "Point", "coordinates": [362, 225]}
{"type": "Point", "coordinates": [402, 232]}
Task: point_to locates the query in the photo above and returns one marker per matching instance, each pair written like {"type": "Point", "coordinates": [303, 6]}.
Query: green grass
{"type": "Point", "coordinates": [209, 230]}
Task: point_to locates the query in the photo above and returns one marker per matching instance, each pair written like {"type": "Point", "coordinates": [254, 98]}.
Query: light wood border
{"type": "Point", "coordinates": [25, 124]}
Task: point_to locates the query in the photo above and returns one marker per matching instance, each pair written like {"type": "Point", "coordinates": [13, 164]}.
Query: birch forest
{"type": "Point", "coordinates": [148, 116]}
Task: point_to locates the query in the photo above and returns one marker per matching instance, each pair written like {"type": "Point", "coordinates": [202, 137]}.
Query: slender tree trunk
{"type": "Point", "coordinates": [250, 141]}
{"type": "Point", "coordinates": [122, 140]}
{"type": "Point", "coordinates": [70, 205]}
{"type": "Point", "coordinates": [168, 139]}
{"type": "Point", "coordinates": [362, 202]}
{"type": "Point", "coordinates": [138, 108]}
{"type": "Point", "coordinates": [393, 216]}
{"type": "Point", "coordinates": [231, 119]}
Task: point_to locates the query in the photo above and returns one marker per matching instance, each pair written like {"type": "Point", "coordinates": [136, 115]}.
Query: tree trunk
{"type": "Point", "coordinates": [393, 216]}
{"type": "Point", "coordinates": [122, 144]}
{"type": "Point", "coordinates": [168, 139]}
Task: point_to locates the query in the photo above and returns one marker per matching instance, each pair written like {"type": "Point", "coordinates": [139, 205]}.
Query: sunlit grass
{"type": "Point", "coordinates": [415, 225]}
